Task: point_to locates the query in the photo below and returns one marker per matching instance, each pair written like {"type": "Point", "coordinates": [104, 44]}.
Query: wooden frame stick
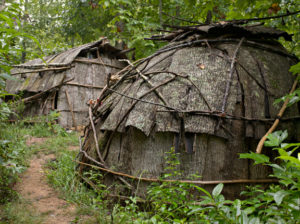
{"type": "Point", "coordinates": [43, 70]}
{"type": "Point", "coordinates": [71, 109]}
{"type": "Point", "coordinates": [208, 182]}
{"type": "Point", "coordinates": [95, 135]}
{"type": "Point", "coordinates": [276, 122]}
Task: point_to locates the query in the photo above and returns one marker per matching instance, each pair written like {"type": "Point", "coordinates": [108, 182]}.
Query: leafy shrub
{"type": "Point", "coordinates": [12, 161]}
{"type": "Point", "coordinates": [13, 150]}
{"type": "Point", "coordinates": [175, 203]}
{"type": "Point", "coordinates": [61, 174]}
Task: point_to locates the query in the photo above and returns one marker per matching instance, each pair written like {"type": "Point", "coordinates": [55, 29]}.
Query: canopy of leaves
{"type": "Point", "coordinates": [61, 23]}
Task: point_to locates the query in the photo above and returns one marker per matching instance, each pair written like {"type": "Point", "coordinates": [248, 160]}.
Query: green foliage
{"type": "Point", "coordinates": [176, 203]}
{"type": "Point", "coordinates": [61, 24]}
{"type": "Point", "coordinates": [12, 159]}
{"type": "Point", "coordinates": [11, 36]}
{"type": "Point", "coordinates": [295, 69]}
{"type": "Point", "coordinates": [258, 158]}
{"type": "Point", "coordinates": [44, 126]}
{"type": "Point", "coordinates": [52, 124]}
{"type": "Point", "coordinates": [18, 211]}
{"type": "Point", "coordinates": [176, 194]}
{"type": "Point", "coordinates": [276, 138]}
{"type": "Point", "coordinates": [13, 150]}
{"type": "Point", "coordinates": [4, 111]}
{"type": "Point", "coordinates": [62, 176]}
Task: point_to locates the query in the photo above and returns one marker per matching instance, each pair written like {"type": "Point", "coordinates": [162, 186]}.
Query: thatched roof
{"type": "Point", "coordinates": [193, 76]}
{"type": "Point", "coordinates": [42, 74]}
{"type": "Point", "coordinates": [254, 31]}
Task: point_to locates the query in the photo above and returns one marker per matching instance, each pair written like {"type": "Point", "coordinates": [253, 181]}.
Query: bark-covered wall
{"type": "Point", "coordinates": [141, 132]}
{"type": "Point", "coordinates": [84, 74]}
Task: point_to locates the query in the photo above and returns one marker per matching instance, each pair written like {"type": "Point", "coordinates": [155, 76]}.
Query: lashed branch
{"type": "Point", "coordinates": [219, 114]}
{"type": "Point", "coordinates": [247, 72]}
{"type": "Point", "coordinates": [102, 93]}
{"type": "Point", "coordinates": [197, 42]}
{"type": "Point", "coordinates": [144, 101]}
{"type": "Point", "coordinates": [279, 115]}
{"type": "Point", "coordinates": [242, 21]}
{"type": "Point", "coordinates": [96, 62]}
{"type": "Point", "coordinates": [143, 95]}
{"type": "Point", "coordinates": [43, 70]}
{"type": "Point", "coordinates": [180, 19]}
{"type": "Point", "coordinates": [38, 95]}
{"type": "Point", "coordinates": [83, 85]}
{"type": "Point", "coordinates": [202, 112]}
{"type": "Point", "coordinates": [202, 182]}
{"type": "Point", "coordinates": [131, 107]}
{"type": "Point", "coordinates": [146, 79]}
{"type": "Point", "coordinates": [95, 135]}
{"type": "Point", "coordinates": [229, 81]}
{"type": "Point", "coordinates": [101, 164]}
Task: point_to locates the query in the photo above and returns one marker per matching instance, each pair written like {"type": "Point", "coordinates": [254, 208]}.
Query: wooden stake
{"type": "Point", "coordinates": [276, 122]}
{"type": "Point", "coordinates": [95, 136]}
{"type": "Point", "coordinates": [71, 109]}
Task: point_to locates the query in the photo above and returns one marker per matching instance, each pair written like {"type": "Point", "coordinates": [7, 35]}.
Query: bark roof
{"type": "Point", "coordinates": [190, 101]}
{"type": "Point", "coordinates": [32, 80]}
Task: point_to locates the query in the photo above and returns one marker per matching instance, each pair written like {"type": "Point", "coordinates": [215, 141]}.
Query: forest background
{"type": "Point", "coordinates": [60, 24]}
{"type": "Point", "coordinates": [35, 28]}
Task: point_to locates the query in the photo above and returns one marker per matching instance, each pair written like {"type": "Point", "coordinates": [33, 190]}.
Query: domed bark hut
{"type": "Point", "coordinates": [209, 94]}
{"type": "Point", "coordinates": [65, 82]}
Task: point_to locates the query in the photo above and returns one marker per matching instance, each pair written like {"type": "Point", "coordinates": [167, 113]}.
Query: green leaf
{"type": "Point", "coordinates": [275, 166]}
{"type": "Point", "coordinates": [279, 195]}
{"type": "Point", "coordinates": [238, 207]}
{"type": "Point", "coordinates": [258, 158]}
{"type": "Point", "coordinates": [295, 69]}
{"type": "Point", "coordinates": [254, 220]}
{"type": "Point", "coordinates": [249, 210]}
{"type": "Point", "coordinates": [203, 190]}
{"type": "Point", "coordinates": [217, 190]}
{"type": "Point", "coordinates": [290, 158]}
{"type": "Point", "coordinates": [276, 138]}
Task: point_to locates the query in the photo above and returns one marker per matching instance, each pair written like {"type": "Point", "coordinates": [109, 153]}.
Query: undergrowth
{"type": "Point", "coordinates": [175, 202]}
{"type": "Point", "coordinates": [62, 175]}
{"type": "Point", "coordinates": [14, 157]}
{"type": "Point", "coordinates": [19, 211]}
{"type": "Point", "coordinates": [166, 202]}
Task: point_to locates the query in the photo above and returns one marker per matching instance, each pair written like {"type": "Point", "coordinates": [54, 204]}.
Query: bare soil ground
{"type": "Point", "coordinates": [34, 188]}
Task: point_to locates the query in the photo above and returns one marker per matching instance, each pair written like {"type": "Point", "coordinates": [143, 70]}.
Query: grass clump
{"type": "Point", "coordinates": [62, 175]}
{"type": "Point", "coordinates": [19, 211]}
{"type": "Point", "coordinates": [13, 159]}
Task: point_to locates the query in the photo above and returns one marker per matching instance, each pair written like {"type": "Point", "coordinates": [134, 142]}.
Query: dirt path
{"type": "Point", "coordinates": [34, 188]}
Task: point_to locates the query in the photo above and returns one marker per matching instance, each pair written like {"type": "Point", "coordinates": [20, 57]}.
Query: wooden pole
{"type": "Point", "coordinates": [95, 135]}
{"type": "Point", "coordinates": [96, 62]}
{"type": "Point", "coordinates": [203, 182]}
{"type": "Point", "coordinates": [42, 70]}
{"type": "Point", "coordinates": [83, 85]}
{"type": "Point", "coordinates": [38, 95]}
{"type": "Point", "coordinates": [276, 122]}
{"type": "Point", "coordinates": [71, 109]}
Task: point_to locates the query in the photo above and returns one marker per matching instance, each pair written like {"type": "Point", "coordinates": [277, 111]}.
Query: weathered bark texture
{"type": "Point", "coordinates": [134, 136]}
{"type": "Point", "coordinates": [87, 65]}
